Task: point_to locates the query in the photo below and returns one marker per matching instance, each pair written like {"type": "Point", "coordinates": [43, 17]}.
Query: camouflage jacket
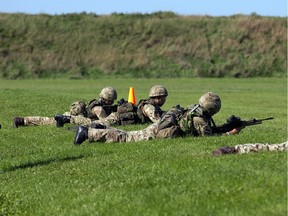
{"type": "Point", "coordinates": [195, 122]}
{"type": "Point", "coordinates": [147, 111]}
{"type": "Point", "coordinates": [97, 109]}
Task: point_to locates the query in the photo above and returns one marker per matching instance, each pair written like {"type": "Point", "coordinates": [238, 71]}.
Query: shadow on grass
{"type": "Point", "coordinates": [40, 163]}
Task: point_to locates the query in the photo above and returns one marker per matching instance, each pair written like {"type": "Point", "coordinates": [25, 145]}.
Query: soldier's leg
{"type": "Point", "coordinates": [113, 135]}
{"type": "Point", "coordinates": [33, 121]}
{"type": "Point", "coordinates": [81, 120]}
{"type": "Point", "coordinates": [256, 147]}
{"type": "Point", "coordinates": [110, 120]}
{"type": "Point", "coordinates": [251, 147]}
{"type": "Point", "coordinates": [140, 135]}
{"type": "Point", "coordinates": [110, 135]}
{"type": "Point", "coordinates": [84, 121]}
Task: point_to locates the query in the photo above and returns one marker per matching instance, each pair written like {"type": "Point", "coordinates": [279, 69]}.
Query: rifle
{"type": "Point", "coordinates": [110, 108]}
{"type": "Point", "coordinates": [236, 122]}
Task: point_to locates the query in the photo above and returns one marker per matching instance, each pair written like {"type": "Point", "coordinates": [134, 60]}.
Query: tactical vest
{"type": "Point", "coordinates": [98, 102]}
{"type": "Point", "coordinates": [186, 122]}
{"type": "Point", "coordinates": [140, 114]}
{"type": "Point", "coordinates": [168, 125]}
{"type": "Point", "coordinates": [127, 114]}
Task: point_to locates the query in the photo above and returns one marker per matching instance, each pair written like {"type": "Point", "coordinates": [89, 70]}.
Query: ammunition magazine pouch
{"type": "Point", "coordinates": [167, 120]}
{"type": "Point", "coordinates": [127, 113]}
{"type": "Point", "coordinates": [170, 132]}
{"type": "Point", "coordinates": [168, 125]}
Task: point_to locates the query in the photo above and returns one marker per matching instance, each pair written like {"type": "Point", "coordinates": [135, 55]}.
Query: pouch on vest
{"type": "Point", "coordinates": [127, 113]}
{"type": "Point", "coordinates": [171, 117]}
{"type": "Point", "coordinates": [168, 125]}
{"type": "Point", "coordinates": [170, 132]}
{"type": "Point", "coordinates": [167, 120]}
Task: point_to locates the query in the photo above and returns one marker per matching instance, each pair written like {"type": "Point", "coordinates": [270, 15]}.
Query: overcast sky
{"type": "Point", "coordinates": [181, 7]}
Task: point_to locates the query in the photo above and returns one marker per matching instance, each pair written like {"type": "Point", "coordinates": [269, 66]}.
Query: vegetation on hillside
{"type": "Point", "coordinates": [161, 44]}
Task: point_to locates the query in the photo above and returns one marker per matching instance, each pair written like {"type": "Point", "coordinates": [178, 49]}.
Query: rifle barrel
{"type": "Point", "coordinates": [266, 119]}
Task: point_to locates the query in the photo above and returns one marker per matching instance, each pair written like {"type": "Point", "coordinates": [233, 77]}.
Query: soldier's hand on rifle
{"type": "Point", "coordinates": [235, 122]}
{"type": "Point", "coordinates": [234, 131]}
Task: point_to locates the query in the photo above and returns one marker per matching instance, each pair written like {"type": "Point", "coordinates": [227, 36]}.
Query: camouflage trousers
{"type": "Point", "coordinates": [113, 135]}
{"type": "Point", "coordinates": [110, 120]}
{"type": "Point", "coordinates": [40, 120]}
{"type": "Point", "coordinates": [256, 147]}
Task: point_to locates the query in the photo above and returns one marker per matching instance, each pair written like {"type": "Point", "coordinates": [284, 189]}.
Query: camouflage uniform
{"type": "Point", "coordinates": [176, 122]}
{"type": "Point", "coordinates": [256, 147]}
{"type": "Point", "coordinates": [195, 122]}
{"type": "Point", "coordinates": [151, 113]}
{"type": "Point", "coordinates": [198, 119]}
{"type": "Point", "coordinates": [251, 147]}
{"type": "Point", "coordinates": [196, 126]}
{"type": "Point", "coordinates": [110, 120]}
{"type": "Point", "coordinates": [40, 120]}
{"type": "Point", "coordinates": [95, 110]}
{"type": "Point", "coordinates": [148, 111]}
{"type": "Point", "coordinates": [112, 135]}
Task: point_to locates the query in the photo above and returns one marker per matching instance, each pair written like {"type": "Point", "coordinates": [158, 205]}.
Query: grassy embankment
{"type": "Point", "coordinates": [141, 45]}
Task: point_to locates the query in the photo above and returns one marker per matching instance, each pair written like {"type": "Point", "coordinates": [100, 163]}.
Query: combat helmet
{"type": "Point", "coordinates": [210, 102]}
{"type": "Point", "coordinates": [158, 91]}
{"type": "Point", "coordinates": [108, 93]}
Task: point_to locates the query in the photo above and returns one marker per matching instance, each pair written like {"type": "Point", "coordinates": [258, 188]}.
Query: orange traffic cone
{"type": "Point", "coordinates": [131, 96]}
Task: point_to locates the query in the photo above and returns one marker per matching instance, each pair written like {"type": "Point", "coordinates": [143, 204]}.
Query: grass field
{"type": "Point", "coordinates": [43, 173]}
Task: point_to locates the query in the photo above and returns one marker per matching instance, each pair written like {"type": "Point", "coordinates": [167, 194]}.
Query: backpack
{"type": "Point", "coordinates": [186, 122]}
{"type": "Point", "coordinates": [127, 113]}
{"type": "Point", "coordinates": [168, 124]}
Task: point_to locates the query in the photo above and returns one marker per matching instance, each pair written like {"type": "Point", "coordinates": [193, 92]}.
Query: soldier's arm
{"type": "Point", "coordinates": [150, 111]}
{"type": "Point", "coordinates": [99, 112]}
{"type": "Point", "coordinates": [202, 127]}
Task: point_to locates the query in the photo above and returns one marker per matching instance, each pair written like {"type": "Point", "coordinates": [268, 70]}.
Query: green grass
{"type": "Point", "coordinates": [43, 173]}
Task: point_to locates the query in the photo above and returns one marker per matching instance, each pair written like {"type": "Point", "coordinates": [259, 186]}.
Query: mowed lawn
{"type": "Point", "coordinates": [43, 173]}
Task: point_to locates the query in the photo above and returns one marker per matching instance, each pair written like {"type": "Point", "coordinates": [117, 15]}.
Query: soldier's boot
{"type": "Point", "coordinates": [61, 120]}
{"type": "Point", "coordinates": [18, 122]}
{"type": "Point", "coordinates": [224, 150]}
{"type": "Point", "coordinates": [81, 135]}
{"type": "Point", "coordinates": [97, 125]}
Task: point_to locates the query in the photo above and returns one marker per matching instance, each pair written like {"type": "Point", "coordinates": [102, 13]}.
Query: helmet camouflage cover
{"type": "Point", "coordinates": [158, 91]}
{"type": "Point", "coordinates": [108, 93]}
{"type": "Point", "coordinates": [210, 102]}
